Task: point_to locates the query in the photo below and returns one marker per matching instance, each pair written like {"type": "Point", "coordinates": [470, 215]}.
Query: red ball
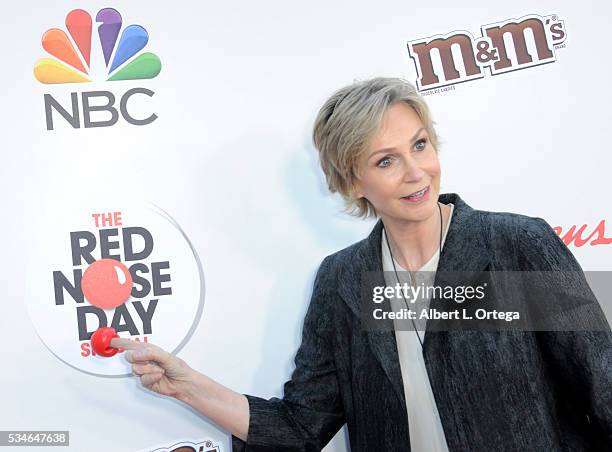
{"type": "Point", "coordinates": [107, 283]}
{"type": "Point", "coordinates": [100, 341]}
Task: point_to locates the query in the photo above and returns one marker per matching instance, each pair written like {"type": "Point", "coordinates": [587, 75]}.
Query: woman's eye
{"type": "Point", "coordinates": [423, 142]}
{"type": "Point", "coordinates": [419, 145]}
{"type": "Point", "coordinates": [383, 160]}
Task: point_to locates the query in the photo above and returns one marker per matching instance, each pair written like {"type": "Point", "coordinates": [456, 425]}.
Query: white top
{"type": "Point", "coordinates": [426, 433]}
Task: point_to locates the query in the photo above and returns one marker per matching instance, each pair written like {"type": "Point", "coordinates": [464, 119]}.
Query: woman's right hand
{"type": "Point", "coordinates": [169, 375]}
{"type": "Point", "coordinates": [158, 370]}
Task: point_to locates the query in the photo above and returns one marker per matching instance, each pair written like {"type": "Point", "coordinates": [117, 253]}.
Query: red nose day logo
{"type": "Point", "coordinates": [488, 52]}
{"type": "Point", "coordinates": [127, 266]}
{"type": "Point", "coordinates": [72, 66]}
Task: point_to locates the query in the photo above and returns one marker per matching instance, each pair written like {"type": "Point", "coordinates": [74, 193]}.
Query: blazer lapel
{"type": "Point", "coordinates": [465, 249]}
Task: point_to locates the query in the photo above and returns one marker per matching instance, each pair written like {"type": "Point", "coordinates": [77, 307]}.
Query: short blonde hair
{"type": "Point", "coordinates": [345, 125]}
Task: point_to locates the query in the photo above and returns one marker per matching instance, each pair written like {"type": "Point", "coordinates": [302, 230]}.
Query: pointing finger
{"type": "Point", "coordinates": [126, 344]}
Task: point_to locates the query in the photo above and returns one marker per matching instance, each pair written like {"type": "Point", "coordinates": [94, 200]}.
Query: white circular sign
{"type": "Point", "coordinates": [167, 295]}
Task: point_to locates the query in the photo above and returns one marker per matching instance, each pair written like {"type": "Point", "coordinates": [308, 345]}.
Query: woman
{"type": "Point", "coordinates": [467, 390]}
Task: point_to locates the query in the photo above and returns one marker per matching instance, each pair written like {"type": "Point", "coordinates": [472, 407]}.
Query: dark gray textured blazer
{"type": "Point", "coordinates": [495, 391]}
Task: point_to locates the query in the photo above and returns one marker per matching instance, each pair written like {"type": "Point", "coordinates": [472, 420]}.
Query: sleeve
{"type": "Point", "coordinates": [311, 410]}
{"type": "Point", "coordinates": [581, 359]}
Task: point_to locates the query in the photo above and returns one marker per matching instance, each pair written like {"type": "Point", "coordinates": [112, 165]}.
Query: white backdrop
{"type": "Point", "coordinates": [230, 159]}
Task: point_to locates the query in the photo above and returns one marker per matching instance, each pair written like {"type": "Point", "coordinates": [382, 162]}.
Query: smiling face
{"type": "Point", "coordinates": [400, 161]}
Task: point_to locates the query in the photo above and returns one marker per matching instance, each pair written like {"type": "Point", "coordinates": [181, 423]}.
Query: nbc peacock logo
{"type": "Point", "coordinates": [73, 61]}
{"type": "Point", "coordinates": [71, 51]}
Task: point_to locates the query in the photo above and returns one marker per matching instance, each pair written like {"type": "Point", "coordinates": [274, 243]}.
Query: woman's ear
{"type": "Point", "coordinates": [356, 191]}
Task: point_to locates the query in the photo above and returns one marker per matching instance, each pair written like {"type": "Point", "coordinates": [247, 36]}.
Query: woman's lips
{"type": "Point", "coordinates": [423, 197]}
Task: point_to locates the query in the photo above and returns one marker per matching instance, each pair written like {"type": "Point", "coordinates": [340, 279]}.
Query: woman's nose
{"type": "Point", "coordinates": [412, 170]}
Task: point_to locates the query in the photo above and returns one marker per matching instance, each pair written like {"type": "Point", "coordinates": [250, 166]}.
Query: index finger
{"type": "Point", "coordinates": [126, 344]}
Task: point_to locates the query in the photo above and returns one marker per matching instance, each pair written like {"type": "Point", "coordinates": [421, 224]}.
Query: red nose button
{"type": "Point", "coordinates": [100, 341]}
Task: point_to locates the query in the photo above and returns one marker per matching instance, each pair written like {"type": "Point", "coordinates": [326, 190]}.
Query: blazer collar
{"type": "Point", "coordinates": [465, 249]}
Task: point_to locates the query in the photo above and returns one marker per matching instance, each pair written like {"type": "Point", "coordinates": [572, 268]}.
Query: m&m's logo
{"type": "Point", "coordinates": [72, 51]}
